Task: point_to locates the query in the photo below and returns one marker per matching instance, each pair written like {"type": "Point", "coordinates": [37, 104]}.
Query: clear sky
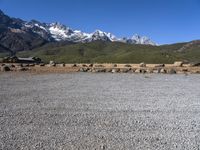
{"type": "Point", "coordinates": [164, 21]}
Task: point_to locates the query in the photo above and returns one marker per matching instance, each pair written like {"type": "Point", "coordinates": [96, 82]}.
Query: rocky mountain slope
{"type": "Point", "coordinates": [18, 35]}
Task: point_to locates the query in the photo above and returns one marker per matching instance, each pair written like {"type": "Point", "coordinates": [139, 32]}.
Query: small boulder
{"type": "Point", "coordinates": [157, 70]}
{"type": "Point", "coordinates": [132, 70]}
{"type": "Point", "coordinates": [194, 64]}
{"type": "Point", "coordinates": [178, 64]}
{"type": "Point", "coordinates": [115, 65]}
{"type": "Point", "coordinates": [143, 71]}
{"type": "Point", "coordinates": [42, 65]}
{"type": "Point", "coordinates": [31, 65]}
{"type": "Point", "coordinates": [84, 65]}
{"type": "Point", "coordinates": [163, 70]}
{"type": "Point", "coordinates": [101, 70]}
{"type": "Point", "coordinates": [12, 66]}
{"type": "Point", "coordinates": [115, 70]}
{"type": "Point", "coordinates": [52, 63]}
{"type": "Point", "coordinates": [108, 70]}
{"type": "Point", "coordinates": [127, 65]}
{"type": "Point", "coordinates": [61, 65]}
{"type": "Point", "coordinates": [74, 65]}
{"type": "Point", "coordinates": [124, 70]}
{"type": "Point", "coordinates": [84, 69]}
{"type": "Point", "coordinates": [91, 65]}
{"type": "Point", "coordinates": [5, 68]}
{"type": "Point", "coordinates": [99, 66]}
{"type": "Point", "coordinates": [196, 71]}
{"type": "Point", "coordinates": [149, 71]}
{"type": "Point", "coordinates": [160, 65]}
{"type": "Point", "coordinates": [142, 64]}
{"type": "Point", "coordinates": [184, 70]}
{"type": "Point", "coordinates": [22, 69]}
{"type": "Point", "coordinates": [138, 71]}
{"type": "Point", "coordinates": [171, 71]}
{"type": "Point", "coordinates": [25, 65]}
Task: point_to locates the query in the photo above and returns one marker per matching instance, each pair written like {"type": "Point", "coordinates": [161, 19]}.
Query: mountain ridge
{"type": "Point", "coordinates": [18, 35]}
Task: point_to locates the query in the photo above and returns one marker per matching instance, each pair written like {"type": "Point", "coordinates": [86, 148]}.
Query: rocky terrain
{"type": "Point", "coordinates": [99, 111]}
{"type": "Point", "coordinates": [176, 68]}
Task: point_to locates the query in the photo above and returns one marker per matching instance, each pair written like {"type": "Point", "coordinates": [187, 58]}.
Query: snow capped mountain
{"type": "Point", "coordinates": [136, 39]}
{"type": "Point", "coordinates": [60, 32]}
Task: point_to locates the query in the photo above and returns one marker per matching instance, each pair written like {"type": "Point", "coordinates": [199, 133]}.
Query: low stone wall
{"type": "Point", "coordinates": [176, 68]}
{"type": "Point", "coordinates": [102, 68]}
{"type": "Point", "coordinates": [169, 70]}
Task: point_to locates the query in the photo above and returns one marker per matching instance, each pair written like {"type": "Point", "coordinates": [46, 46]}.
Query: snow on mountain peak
{"type": "Point", "coordinates": [60, 32]}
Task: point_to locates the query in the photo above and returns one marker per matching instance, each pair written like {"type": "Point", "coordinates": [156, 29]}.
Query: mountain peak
{"type": "Point", "coordinates": [99, 31]}
{"type": "Point", "coordinates": [1, 12]}
{"type": "Point", "coordinates": [59, 32]}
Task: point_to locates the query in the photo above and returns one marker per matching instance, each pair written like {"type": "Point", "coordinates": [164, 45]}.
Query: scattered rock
{"type": "Point", "coordinates": [99, 66]}
{"type": "Point", "coordinates": [156, 70]}
{"type": "Point", "coordinates": [184, 70]}
{"type": "Point", "coordinates": [142, 64]}
{"type": "Point", "coordinates": [95, 70]}
{"type": "Point", "coordinates": [22, 69]}
{"type": "Point", "coordinates": [74, 65]}
{"type": "Point", "coordinates": [115, 65]}
{"type": "Point", "coordinates": [61, 65]}
{"type": "Point", "coordinates": [91, 65]}
{"type": "Point", "coordinates": [132, 70]}
{"type": "Point", "coordinates": [90, 70]}
{"type": "Point", "coordinates": [178, 64]}
{"type": "Point", "coordinates": [31, 65]}
{"type": "Point", "coordinates": [18, 65]}
{"type": "Point", "coordinates": [124, 70]}
{"type": "Point", "coordinates": [84, 65]}
{"type": "Point", "coordinates": [149, 71]}
{"type": "Point", "coordinates": [101, 70]}
{"type": "Point", "coordinates": [194, 64]}
{"type": "Point", "coordinates": [12, 66]}
{"type": "Point", "coordinates": [40, 65]}
{"type": "Point", "coordinates": [84, 69]}
{"type": "Point", "coordinates": [160, 65]}
{"type": "Point", "coordinates": [163, 70]}
{"type": "Point", "coordinates": [127, 65]}
{"type": "Point", "coordinates": [171, 71]}
{"type": "Point", "coordinates": [115, 70]}
{"type": "Point", "coordinates": [143, 71]}
{"type": "Point", "coordinates": [24, 65]}
{"type": "Point", "coordinates": [138, 71]}
{"type": "Point", "coordinates": [108, 70]}
{"type": "Point", "coordinates": [5, 68]}
{"type": "Point", "coordinates": [196, 71]}
{"type": "Point", "coordinates": [52, 64]}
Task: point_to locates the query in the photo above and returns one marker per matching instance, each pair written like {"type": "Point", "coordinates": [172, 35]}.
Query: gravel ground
{"type": "Point", "coordinates": [99, 111]}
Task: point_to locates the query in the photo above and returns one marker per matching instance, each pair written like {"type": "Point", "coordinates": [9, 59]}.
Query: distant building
{"type": "Point", "coordinates": [28, 60]}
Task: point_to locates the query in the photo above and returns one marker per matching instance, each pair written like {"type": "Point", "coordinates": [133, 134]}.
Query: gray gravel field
{"type": "Point", "coordinates": [80, 111]}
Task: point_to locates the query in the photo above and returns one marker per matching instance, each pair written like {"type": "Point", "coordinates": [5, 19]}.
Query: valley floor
{"type": "Point", "coordinates": [99, 111]}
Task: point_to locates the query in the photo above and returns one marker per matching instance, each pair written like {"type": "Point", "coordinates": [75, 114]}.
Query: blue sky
{"type": "Point", "coordinates": [164, 21]}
